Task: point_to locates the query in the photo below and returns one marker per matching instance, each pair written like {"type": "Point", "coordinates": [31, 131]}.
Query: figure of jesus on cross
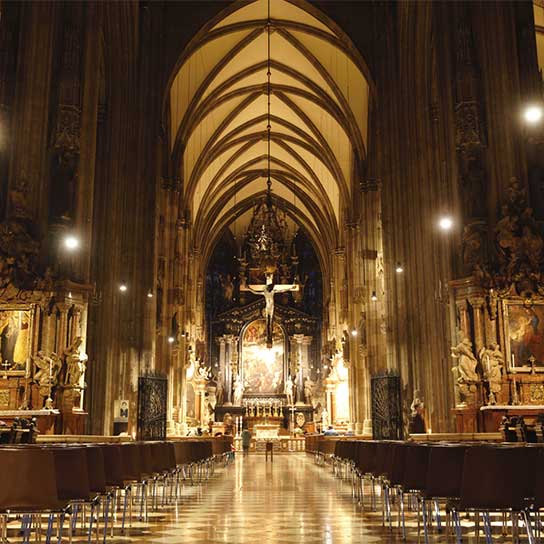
{"type": "Point", "coordinates": [268, 290]}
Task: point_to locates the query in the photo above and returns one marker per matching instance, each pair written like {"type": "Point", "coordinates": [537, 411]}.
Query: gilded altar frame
{"type": "Point", "coordinates": [17, 339]}
{"type": "Point", "coordinates": [522, 330]}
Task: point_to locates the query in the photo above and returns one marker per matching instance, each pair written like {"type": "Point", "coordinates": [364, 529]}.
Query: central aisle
{"type": "Point", "coordinates": [253, 501]}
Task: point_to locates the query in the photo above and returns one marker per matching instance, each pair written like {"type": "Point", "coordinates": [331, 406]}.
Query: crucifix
{"type": "Point", "coordinates": [268, 290]}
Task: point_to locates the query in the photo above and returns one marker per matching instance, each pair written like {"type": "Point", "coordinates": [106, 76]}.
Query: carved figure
{"type": "Point", "coordinates": [324, 419]}
{"type": "Point", "coordinates": [75, 364]}
{"type": "Point", "coordinates": [238, 391]}
{"type": "Point", "coordinates": [417, 422]}
{"type": "Point", "coordinates": [309, 387]}
{"type": "Point", "coordinates": [492, 361]}
{"type": "Point", "coordinates": [268, 291]}
{"type": "Point", "coordinates": [465, 375]}
{"type": "Point", "coordinates": [47, 369]}
{"type": "Point", "coordinates": [228, 288]}
{"type": "Point", "coordinates": [289, 390]}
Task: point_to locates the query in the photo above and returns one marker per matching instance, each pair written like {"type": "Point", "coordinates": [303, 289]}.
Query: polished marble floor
{"type": "Point", "coordinates": [291, 500]}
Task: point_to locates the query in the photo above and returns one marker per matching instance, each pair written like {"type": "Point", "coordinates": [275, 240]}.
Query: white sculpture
{"type": "Point", "coordinates": [492, 361]}
{"type": "Point", "coordinates": [75, 364]}
{"type": "Point", "coordinates": [464, 372]}
{"type": "Point", "coordinates": [238, 391]}
{"type": "Point", "coordinates": [48, 368]}
{"type": "Point", "coordinates": [309, 387]}
{"type": "Point", "coordinates": [324, 419]}
{"type": "Point", "coordinates": [289, 390]}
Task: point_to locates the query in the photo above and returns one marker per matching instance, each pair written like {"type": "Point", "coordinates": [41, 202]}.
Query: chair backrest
{"type": "Point", "coordinates": [366, 457]}
{"type": "Point", "coordinates": [72, 473]}
{"type": "Point", "coordinates": [494, 477]}
{"type": "Point", "coordinates": [445, 471]}
{"type": "Point", "coordinates": [113, 469]}
{"type": "Point", "coordinates": [95, 465]}
{"type": "Point", "coordinates": [415, 467]}
{"type": "Point", "coordinates": [28, 478]}
{"type": "Point", "coordinates": [131, 462]}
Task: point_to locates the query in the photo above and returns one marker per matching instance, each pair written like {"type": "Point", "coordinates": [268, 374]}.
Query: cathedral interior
{"type": "Point", "coordinates": [302, 228]}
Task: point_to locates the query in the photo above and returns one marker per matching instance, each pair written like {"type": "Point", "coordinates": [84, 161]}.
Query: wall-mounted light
{"type": "Point", "coordinates": [150, 294]}
{"type": "Point", "coordinates": [399, 269]}
{"type": "Point", "coordinates": [171, 339]}
{"type": "Point", "coordinates": [123, 287]}
{"type": "Point", "coordinates": [533, 114]}
{"type": "Point", "coordinates": [445, 223]}
{"type": "Point", "coordinates": [71, 242]}
{"type": "Point", "coordinates": [373, 297]}
{"type": "Point", "coordinates": [354, 332]}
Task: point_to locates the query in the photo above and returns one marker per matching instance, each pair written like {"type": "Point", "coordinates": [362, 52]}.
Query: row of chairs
{"type": "Point", "coordinates": [93, 483]}
{"type": "Point", "coordinates": [474, 478]}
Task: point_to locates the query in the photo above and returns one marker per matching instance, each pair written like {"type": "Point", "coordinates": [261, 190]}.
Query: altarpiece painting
{"type": "Point", "coordinates": [524, 328]}
{"type": "Point", "coordinates": [263, 369]}
{"type": "Point", "coordinates": [15, 337]}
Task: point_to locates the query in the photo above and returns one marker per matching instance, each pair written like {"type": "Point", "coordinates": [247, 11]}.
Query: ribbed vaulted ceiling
{"type": "Point", "coordinates": [218, 119]}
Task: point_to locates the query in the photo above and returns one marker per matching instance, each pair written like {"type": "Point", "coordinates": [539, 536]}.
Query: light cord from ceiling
{"type": "Point", "coordinates": [268, 126]}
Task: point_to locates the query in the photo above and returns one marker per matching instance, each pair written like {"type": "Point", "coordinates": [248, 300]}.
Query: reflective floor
{"type": "Point", "coordinates": [291, 500]}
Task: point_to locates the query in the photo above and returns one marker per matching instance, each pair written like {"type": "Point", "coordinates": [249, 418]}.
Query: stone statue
{"type": "Point", "coordinates": [289, 390]}
{"type": "Point", "coordinates": [47, 368]}
{"type": "Point", "coordinates": [324, 419]}
{"type": "Point", "coordinates": [465, 375]}
{"type": "Point", "coordinates": [238, 391]}
{"type": "Point", "coordinates": [228, 288]}
{"type": "Point", "coordinates": [492, 361]}
{"type": "Point", "coordinates": [417, 422]}
{"type": "Point", "coordinates": [75, 364]}
{"type": "Point", "coordinates": [309, 387]}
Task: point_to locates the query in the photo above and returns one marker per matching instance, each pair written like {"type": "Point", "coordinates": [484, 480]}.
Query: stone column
{"type": "Point", "coordinates": [464, 324]}
{"type": "Point", "coordinates": [222, 368]}
{"type": "Point", "coordinates": [228, 370]}
{"type": "Point", "coordinates": [299, 378]}
{"type": "Point", "coordinates": [479, 329]}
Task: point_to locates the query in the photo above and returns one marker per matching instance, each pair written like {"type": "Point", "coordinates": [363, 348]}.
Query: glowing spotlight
{"type": "Point", "coordinates": [354, 332]}
{"type": "Point", "coordinates": [533, 114]}
{"type": "Point", "coordinates": [445, 223]}
{"type": "Point", "coordinates": [123, 287]}
{"type": "Point", "coordinates": [373, 297]}
{"type": "Point", "coordinates": [399, 269]}
{"type": "Point", "coordinates": [149, 294]}
{"type": "Point", "coordinates": [170, 339]}
{"type": "Point", "coordinates": [71, 243]}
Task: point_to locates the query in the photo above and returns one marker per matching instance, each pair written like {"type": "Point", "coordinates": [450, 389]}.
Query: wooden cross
{"type": "Point", "coordinates": [268, 290]}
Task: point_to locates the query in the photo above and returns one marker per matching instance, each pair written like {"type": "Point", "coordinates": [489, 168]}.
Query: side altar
{"type": "Point", "coordinates": [43, 362]}
{"type": "Point", "coordinates": [498, 353]}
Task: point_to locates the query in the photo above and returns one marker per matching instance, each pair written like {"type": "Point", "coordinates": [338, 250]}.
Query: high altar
{"type": "Point", "coordinates": [269, 388]}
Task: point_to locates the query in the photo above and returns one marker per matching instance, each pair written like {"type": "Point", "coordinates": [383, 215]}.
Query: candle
{"type": "Point", "coordinates": [513, 361]}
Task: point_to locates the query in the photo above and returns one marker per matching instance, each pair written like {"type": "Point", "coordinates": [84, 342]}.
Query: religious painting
{"type": "Point", "coordinates": [262, 367]}
{"type": "Point", "coordinates": [15, 338]}
{"type": "Point", "coordinates": [121, 410]}
{"type": "Point", "coordinates": [524, 328]}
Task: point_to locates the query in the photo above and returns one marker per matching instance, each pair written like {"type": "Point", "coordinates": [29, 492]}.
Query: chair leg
{"type": "Point", "coordinates": [437, 516]}
{"type": "Point", "coordinates": [401, 507]}
{"type": "Point", "coordinates": [425, 520]}
{"type": "Point", "coordinates": [49, 529]}
{"type": "Point", "coordinates": [457, 523]}
{"type": "Point", "coordinates": [527, 520]}
{"type": "Point", "coordinates": [487, 528]}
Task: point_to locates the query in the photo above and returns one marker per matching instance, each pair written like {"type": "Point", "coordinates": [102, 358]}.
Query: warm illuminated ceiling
{"type": "Point", "coordinates": [319, 107]}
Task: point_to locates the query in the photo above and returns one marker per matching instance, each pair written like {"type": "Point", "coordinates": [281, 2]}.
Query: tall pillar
{"type": "Point", "coordinates": [479, 329]}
